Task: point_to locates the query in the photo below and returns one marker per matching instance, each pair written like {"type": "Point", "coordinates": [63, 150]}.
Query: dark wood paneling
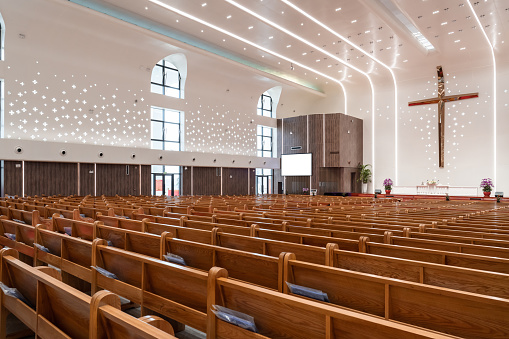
{"type": "Point", "coordinates": [330, 180]}
{"type": "Point", "coordinates": [113, 179]}
{"type": "Point", "coordinates": [186, 180]}
{"type": "Point", "coordinates": [146, 179]}
{"type": "Point", "coordinates": [295, 134]}
{"type": "Point", "coordinates": [346, 180]}
{"type": "Point", "coordinates": [252, 181]}
{"type": "Point", "coordinates": [13, 178]}
{"type": "Point", "coordinates": [350, 141]}
{"type": "Point", "coordinates": [87, 179]}
{"type": "Point", "coordinates": [294, 185]}
{"type": "Point", "coordinates": [332, 140]}
{"type": "Point", "coordinates": [206, 180]}
{"type": "Point", "coordinates": [51, 178]}
{"type": "Point", "coordinates": [235, 181]}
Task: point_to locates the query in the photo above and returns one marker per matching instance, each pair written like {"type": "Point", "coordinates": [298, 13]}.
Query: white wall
{"type": "Point", "coordinates": [65, 45]}
{"type": "Point", "coordinates": [66, 81]}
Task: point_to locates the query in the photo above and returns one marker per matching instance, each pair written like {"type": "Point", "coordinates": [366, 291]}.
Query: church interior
{"type": "Point", "coordinates": [254, 169]}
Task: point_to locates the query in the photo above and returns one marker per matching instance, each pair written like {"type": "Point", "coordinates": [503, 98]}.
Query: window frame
{"type": "Point", "coordinates": [261, 135]}
{"type": "Point", "coordinates": [262, 109]}
{"type": "Point", "coordinates": [164, 124]}
{"type": "Point", "coordinates": [163, 84]}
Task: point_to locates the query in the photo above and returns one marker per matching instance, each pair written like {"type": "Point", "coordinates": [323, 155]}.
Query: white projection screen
{"type": "Point", "coordinates": [296, 165]}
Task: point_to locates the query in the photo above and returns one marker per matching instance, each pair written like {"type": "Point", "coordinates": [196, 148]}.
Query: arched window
{"type": "Point", "coordinates": [268, 101]}
{"type": "Point", "coordinates": [265, 105]}
{"type": "Point", "coordinates": [169, 76]}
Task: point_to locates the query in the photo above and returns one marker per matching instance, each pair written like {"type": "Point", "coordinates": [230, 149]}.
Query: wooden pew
{"type": "Point", "coordinates": [454, 312]}
{"type": "Point", "coordinates": [283, 316]}
{"type": "Point", "coordinates": [59, 311]}
{"type": "Point", "coordinates": [457, 278]}
{"type": "Point", "coordinates": [174, 291]}
{"type": "Point", "coordinates": [253, 268]}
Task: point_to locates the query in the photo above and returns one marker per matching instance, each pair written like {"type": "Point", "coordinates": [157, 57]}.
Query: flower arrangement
{"type": "Point", "coordinates": [388, 184]}
{"type": "Point", "coordinates": [432, 182]}
{"type": "Point", "coordinates": [487, 185]}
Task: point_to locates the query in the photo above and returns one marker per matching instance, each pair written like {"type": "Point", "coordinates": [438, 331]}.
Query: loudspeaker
{"type": "Point", "coordinates": [378, 191]}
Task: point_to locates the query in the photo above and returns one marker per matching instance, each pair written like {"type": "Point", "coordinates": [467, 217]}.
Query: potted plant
{"type": "Point", "coordinates": [364, 176]}
{"type": "Point", "coordinates": [388, 185]}
{"type": "Point", "coordinates": [487, 186]}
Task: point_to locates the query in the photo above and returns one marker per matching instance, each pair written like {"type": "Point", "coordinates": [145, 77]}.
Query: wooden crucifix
{"type": "Point", "coordinates": [441, 100]}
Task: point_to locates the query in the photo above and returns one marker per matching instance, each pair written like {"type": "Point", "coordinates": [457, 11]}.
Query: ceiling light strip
{"type": "Point", "coordinates": [494, 92]}
{"type": "Point", "coordinates": [219, 29]}
{"type": "Point", "coordinates": [293, 35]}
{"type": "Point", "coordinates": [321, 24]}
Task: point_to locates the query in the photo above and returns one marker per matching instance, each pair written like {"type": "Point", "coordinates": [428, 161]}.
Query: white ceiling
{"type": "Point", "coordinates": [311, 37]}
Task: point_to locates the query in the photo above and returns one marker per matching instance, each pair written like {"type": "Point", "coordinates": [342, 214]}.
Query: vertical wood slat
{"type": "Point", "coordinates": [13, 178]}
{"type": "Point", "coordinates": [113, 179]}
{"type": "Point", "coordinates": [146, 177]}
{"type": "Point", "coordinates": [51, 178]}
{"type": "Point", "coordinates": [87, 179]}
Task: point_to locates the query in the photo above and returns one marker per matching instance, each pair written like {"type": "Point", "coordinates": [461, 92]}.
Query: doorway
{"type": "Point", "coordinates": [166, 184]}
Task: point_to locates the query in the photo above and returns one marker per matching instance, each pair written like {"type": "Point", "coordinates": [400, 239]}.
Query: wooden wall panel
{"type": "Point", "coordinates": [332, 140]}
{"type": "Point", "coordinates": [350, 141]}
{"type": "Point", "coordinates": [51, 178]}
{"type": "Point", "coordinates": [87, 179]}
{"type": "Point", "coordinates": [146, 180]}
{"type": "Point", "coordinates": [315, 123]}
{"type": "Point", "coordinates": [330, 180]}
{"type": "Point", "coordinates": [13, 178]}
{"type": "Point", "coordinates": [294, 185]}
{"type": "Point", "coordinates": [113, 179]}
{"type": "Point", "coordinates": [252, 181]}
{"type": "Point", "coordinates": [206, 180]}
{"type": "Point", "coordinates": [186, 180]}
{"type": "Point", "coordinates": [295, 134]}
{"type": "Point", "coordinates": [349, 180]}
{"type": "Point", "coordinates": [235, 181]}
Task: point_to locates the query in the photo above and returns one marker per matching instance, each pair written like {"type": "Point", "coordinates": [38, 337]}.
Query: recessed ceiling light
{"type": "Point", "coordinates": [338, 9]}
{"type": "Point", "coordinates": [457, 40]}
{"type": "Point", "coordinates": [462, 48]}
{"type": "Point", "coordinates": [288, 46]}
{"type": "Point", "coordinates": [146, 8]}
{"type": "Point", "coordinates": [177, 20]}
{"type": "Point", "coordinates": [302, 24]}
{"type": "Point", "coordinates": [317, 60]}
{"type": "Point", "coordinates": [435, 12]}
{"type": "Point", "coordinates": [405, 60]}
{"type": "Point", "coordinates": [202, 30]}
{"type": "Point", "coordinates": [204, 4]}
{"type": "Point", "coordinates": [443, 23]}
{"type": "Point", "coordinates": [245, 48]}
{"type": "Point", "coordinates": [282, 12]}
{"type": "Point", "coordinates": [329, 66]}
{"type": "Point", "coordinates": [250, 27]}
{"type": "Point", "coordinates": [354, 21]}
{"type": "Point", "coordinates": [451, 33]}
{"type": "Point", "coordinates": [270, 37]}
{"type": "Point", "coordinates": [367, 32]}
{"type": "Point", "coordinates": [350, 76]}
{"type": "Point", "coordinates": [304, 53]}
{"type": "Point", "coordinates": [224, 39]}
{"type": "Point", "coordinates": [228, 17]}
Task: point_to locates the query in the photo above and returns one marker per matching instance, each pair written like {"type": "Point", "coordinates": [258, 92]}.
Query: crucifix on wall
{"type": "Point", "coordinates": [441, 100]}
